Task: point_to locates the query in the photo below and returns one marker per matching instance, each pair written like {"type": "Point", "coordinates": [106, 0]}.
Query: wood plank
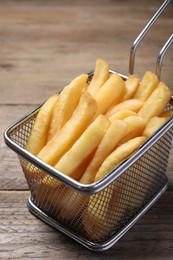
{"type": "Point", "coordinates": [44, 45]}
{"type": "Point", "coordinates": [11, 175]}
{"type": "Point", "coordinates": [22, 235]}
{"type": "Point", "coordinates": [42, 53]}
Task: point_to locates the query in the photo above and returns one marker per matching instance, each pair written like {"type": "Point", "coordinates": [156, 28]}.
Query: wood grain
{"type": "Point", "coordinates": [25, 236]}
{"type": "Point", "coordinates": [40, 52]}
{"type": "Point", "coordinates": [43, 46]}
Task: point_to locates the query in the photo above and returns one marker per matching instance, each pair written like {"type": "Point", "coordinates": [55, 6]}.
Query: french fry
{"type": "Point", "coordinates": [153, 125]}
{"type": "Point", "coordinates": [136, 125]}
{"type": "Point", "coordinates": [72, 204]}
{"type": "Point", "coordinates": [39, 133]}
{"type": "Point", "coordinates": [49, 194]}
{"type": "Point", "coordinates": [167, 114]}
{"type": "Point", "coordinates": [68, 101]}
{"type": "Point", "coordinates": [32, 173]}
{"type": "Point", "coordinates": [113, 135]}
{"type": "Point", "coordinates": [76, 203]}
{"type": "Point", "coordinates": [155, 104]}
{"type": "Point", "coordinates": [122, 114]}
{"type": "Point", "coordinates": [101, 74]}
{"type": "Point", "coordinates": [118, 155]}
{"type": "Point", "coordinates": [98, 219]}
{"type": "Point", "coordinates": [74, 127]}
{"type": "Point", "coordinates": [79, 171]}
{"type": "Point", "coordinates": [131, 86]}
{"type": "Point", "coordinates": [84, 146]}
{"type": "Point", "coordinates": [148, 84]}
{"type": "Point", "coordinates": [109, 93]}
{"type": "Point", "coordinates": [131, 104]}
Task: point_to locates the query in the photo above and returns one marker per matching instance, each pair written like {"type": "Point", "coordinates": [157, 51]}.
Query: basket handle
{"type": "Point", "coordinates": [161, 55]}
{"type": "Point", "coordinates": [143, 33]}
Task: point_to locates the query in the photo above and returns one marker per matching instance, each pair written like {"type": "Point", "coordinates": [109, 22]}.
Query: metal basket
{"type": "Point", "coordinates": [98, 214]}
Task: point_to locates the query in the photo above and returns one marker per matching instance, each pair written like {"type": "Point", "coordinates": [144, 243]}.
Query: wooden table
{"type": "Point", "coordinates": [43, 45]}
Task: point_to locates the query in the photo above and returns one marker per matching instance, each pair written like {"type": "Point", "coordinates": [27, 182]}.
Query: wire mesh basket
{"type": "Point", "coordinates": [98, 214]}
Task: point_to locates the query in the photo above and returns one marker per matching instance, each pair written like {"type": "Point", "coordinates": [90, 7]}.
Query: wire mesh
{"type": "Point", "coordinates": [97, 217]}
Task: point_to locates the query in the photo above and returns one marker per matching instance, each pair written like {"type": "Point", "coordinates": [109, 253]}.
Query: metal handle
{"type": "Point", "coordinates": [143, 33]}
{"type": "Point", "coordinates": [161, 55]}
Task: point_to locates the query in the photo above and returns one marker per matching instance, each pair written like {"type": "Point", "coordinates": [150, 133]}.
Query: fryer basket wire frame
{"type": "Point", "coordinates": [140, 179]}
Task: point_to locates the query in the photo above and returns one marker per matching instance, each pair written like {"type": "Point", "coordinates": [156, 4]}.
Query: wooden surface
{"type": "Point", "coordinates": [43, 45]}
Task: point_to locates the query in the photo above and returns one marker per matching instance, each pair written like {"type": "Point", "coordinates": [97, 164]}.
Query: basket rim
{"type": "Point", "coordinates": [80, 187]}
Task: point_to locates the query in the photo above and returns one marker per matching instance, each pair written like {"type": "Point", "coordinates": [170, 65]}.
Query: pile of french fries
{"type": "Point", "coordinates": [91, 127]}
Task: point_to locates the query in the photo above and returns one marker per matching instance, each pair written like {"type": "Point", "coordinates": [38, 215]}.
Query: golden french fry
{"type": "Point", "coordinates": [49, 181]}
{"type": "Point", "coordinates": [148, 84]}
{"type": "Point", "coordinates": [118, 155]}
{"type": "Point", "coordinates": [39, 133]}
{"type": "Point", "coordinates": [156, 122]}
{"type": "Point", "coordinates": [72, 204]}
{"type": "Point", "coordinates": [156, 102]}
{"type": "Point", "coordinates": [113, 135]}
{"type": "Point", "coordinates": [67, 202]}
{"type": "Point", "coordinates": [84, 146]}
{"type": "Point", "coordinates": [100, 216]}
{"type": "Point", "coordinates": [153, 125]}
{"type": "Point", "coordinates": [167, 114]}
{"type": "Point", "coordinates": [49, 194]}
{"type": "Point", "coordinates": [136, 125]}
{"type": "Point", "coordinates": [121, 115]}
{"type": "Point", "coordinates": [32, 173]}
{"type": "Point", "coordinates": [109, 93]}
{"type": "Point", "coordinates": [131, 104]}
{"type": "Point", "coordinates": [101, 74]}
{"type": "Point", "coordinates": [68, 101]}
{"type": "Point", "coordinates": [79, 171]}
{"type": "Point", "coordinates": [74, 127]}
{"type": "Point", "coordinates": [131, 86]}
